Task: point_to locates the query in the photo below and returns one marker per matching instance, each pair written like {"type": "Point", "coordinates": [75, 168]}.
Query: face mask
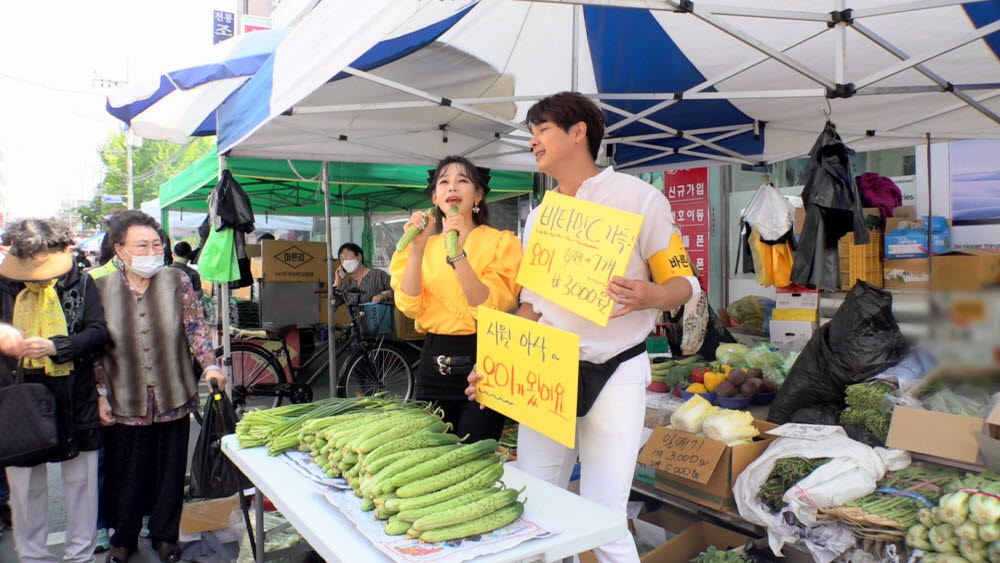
{"type": "Point", "coordinates": [350, 266]}
{"type": "Point", "coordinates": [146, 266]}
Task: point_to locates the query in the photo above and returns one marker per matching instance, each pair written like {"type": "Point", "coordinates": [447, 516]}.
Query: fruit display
{"type": "Point", "coordinates": [402, 462]}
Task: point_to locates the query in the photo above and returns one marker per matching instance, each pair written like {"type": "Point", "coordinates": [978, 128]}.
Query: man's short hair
{"type": "Point", "coordinates": [182, 249]}
{"type": "Point", "coordinates": [566, 109]}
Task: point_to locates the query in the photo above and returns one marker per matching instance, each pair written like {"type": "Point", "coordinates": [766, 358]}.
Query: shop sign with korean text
{"type": "Point", "coordinates": [687, 191]}
{"type": "Point", "coordinates": [529, 373]}
{"type": "Point", "coordinates": [575, 248]}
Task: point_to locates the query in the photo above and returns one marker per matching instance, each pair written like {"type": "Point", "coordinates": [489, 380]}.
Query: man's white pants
{"type": "Point", "coordinates": [608, 441]}
{"type": "Point", "coordinates": [29, 499]}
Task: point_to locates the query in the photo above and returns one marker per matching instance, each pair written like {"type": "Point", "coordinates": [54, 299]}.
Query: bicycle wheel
{"type": "Point", "coordinates": [383, 368]}
{"type": "Point", "coordinates": [256, 375]}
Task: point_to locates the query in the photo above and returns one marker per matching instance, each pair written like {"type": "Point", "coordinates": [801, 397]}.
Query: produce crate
{"type": "Point", "coordinates": [864, 262]}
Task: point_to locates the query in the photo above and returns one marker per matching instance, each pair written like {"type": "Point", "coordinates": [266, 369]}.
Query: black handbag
{"type": "Point", "coordinates": [28, 417]}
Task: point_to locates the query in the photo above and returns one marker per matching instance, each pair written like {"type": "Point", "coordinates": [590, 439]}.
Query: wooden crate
{"type": "Point", "coordinates": [864, 262]}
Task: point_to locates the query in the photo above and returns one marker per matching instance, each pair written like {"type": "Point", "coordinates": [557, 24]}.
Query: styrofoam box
{"type": "Point", "coordinates": [783, 332]}
{"type": "Point", "coordinates": [797, 300]}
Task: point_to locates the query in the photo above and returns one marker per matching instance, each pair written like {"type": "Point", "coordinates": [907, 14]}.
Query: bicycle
{"type": "Point", "coordinates": [368, 364]}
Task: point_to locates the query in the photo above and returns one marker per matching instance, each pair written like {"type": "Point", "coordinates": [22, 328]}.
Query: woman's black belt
{"type": "Point", "coordinates": [593, 377]}
{"type": "Point", "coordinates": [461, 364]}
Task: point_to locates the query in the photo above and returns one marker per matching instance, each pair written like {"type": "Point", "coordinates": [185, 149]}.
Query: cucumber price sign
{"type": "Point", "coordinates": [529, 373]}
{"type": "Point", "coordinates": [575, 248]}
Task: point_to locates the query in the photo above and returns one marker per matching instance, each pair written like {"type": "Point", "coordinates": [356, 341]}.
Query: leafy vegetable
{"type": "Point", "coordinates": [731, 354]}
{"type": "Point", "coordinates": [730, 426]}
{"type": "Point", "coordinates": [689, 416]}
{"type": "Point", "coordinates": [716, 555]}
{"type": "Point", "coordinates": [786, 473]}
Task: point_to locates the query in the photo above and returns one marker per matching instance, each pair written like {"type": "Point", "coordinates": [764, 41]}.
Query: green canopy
{"type": "Point", "coordinates": [282, 187]}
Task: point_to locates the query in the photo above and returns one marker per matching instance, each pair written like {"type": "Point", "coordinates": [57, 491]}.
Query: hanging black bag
{"type": "Point", "coordinates": [28, 417]}
{"type": "Point", "coordinates": [213, 475]}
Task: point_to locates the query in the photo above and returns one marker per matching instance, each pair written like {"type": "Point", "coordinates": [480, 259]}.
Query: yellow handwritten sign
{"type": "Point", "coordinates": [529, 373]}
{"type": "Point", "coordinates": [576, 247]}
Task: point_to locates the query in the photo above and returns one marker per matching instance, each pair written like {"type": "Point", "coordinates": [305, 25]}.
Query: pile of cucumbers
{"type": "Point", "coordinates": [672, 372]}
{"type": "Point", "coordinates": [413, 474]}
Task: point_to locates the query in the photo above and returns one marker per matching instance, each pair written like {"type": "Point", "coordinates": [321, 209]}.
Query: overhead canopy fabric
{"type": "Point", "coordinates": [280, 187]}
{"type": "Point", "coordinates": [681, 82]}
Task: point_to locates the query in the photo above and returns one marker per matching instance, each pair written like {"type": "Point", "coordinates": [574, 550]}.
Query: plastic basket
{"type": "Point", "coordinates": [862, 262]}
{"type": "Point", "coordinates": [376, 319]}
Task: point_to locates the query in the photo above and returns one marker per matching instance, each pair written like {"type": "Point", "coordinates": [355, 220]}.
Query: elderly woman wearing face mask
{"type": "Point", "coordinates": [148, 386]}
{"type": "Point", "coordinates": [353, 275]}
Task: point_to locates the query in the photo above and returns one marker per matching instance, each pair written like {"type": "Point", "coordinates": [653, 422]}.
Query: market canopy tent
{"type": "Point", "coordinates": [681, 82]}
{"type": "Point", "coordinates": [282, 187]}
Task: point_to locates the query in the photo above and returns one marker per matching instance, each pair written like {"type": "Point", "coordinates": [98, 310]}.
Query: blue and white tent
{"type": "Point", "coordinates": [681, 82]}
{"type": "Point", "coordinates": [182, 103]}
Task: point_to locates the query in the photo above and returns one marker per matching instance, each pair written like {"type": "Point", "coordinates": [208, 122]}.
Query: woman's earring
{"type": "Point", "coordinates": [475, 208]}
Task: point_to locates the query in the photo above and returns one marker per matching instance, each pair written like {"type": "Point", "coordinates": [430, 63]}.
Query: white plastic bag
{"type": "Point", "coordinates": [770, 213]}
{"type": "Point", "coordinates": [853, 471]}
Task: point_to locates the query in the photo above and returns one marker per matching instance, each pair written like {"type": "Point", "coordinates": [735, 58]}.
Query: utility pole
{"type": "Point", "coordinates": [128, 173]}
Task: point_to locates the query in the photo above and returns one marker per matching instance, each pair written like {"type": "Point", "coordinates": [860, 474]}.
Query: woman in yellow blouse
{"type": "Point", "coordinates": [443, 293]}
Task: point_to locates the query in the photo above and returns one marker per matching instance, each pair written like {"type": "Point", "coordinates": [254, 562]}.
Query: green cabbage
{"type": "Point", "coordinates": [731, 354]}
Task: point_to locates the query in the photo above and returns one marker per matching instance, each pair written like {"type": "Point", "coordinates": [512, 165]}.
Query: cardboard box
{"type": "Point", "coordinates": [808, 315]}
{"type": "Point", "coordinates": [406, 328]}
{"type": "Point", "coordinates": [942, 435]}
{"type": "Point", "coordinates": [294, 261]}
{"type": "Point", "coordinates": [208, 515]}
{"type": "Point", "coordinates": [908, 273]}
{"type": "Point", "coordinates": [800, 219]}
{"type": "Point", "coordinates": [688, 544]}
{"type": "Point", "coordinates": [783, 332]}
{"type": "Point", "coordinates": [796, 297]}
{"type": "Point", "coordinates": [965, 270]}
{"type": "Point", "coordinates": [698, 469]}
{"type": "Point", "coordinates": [912, 242]}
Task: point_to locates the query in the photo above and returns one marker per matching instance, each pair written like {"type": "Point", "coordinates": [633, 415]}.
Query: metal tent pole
{"type": "Point", "coordinates": [332, 348]}
{"type": "Point", "coordinates": [227, 358]}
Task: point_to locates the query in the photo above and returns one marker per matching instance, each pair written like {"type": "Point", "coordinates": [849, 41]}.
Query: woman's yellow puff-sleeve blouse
{"type": "Point", "coordinates": [441, 307]}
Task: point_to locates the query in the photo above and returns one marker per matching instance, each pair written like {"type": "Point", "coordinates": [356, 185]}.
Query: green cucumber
{"type": "Point", "coordinates": [412, 442]}
{"type": "Point", "coordinates": [471, 511]}
{"type": "Point", "coordinates": [485, 478]}
{"type": "Point", "coordinates": [411, 233]}
{"type": "Point", "coordinates": [450, 477]}
{"type": "Point", "coordinates": [447, 461]}
{"type": "Point", "coordinates": [451, 238]}
{"type": "Point", "coordinates": [396, 527]}
{"type": "Point", "coordinates": [467, 498]}
{"type": "Point", "coordinates": [481, 525]}
{"type": "Point", "coordinates": [368, 505]}
{"type": "Point", "coordinates": [394, 433]}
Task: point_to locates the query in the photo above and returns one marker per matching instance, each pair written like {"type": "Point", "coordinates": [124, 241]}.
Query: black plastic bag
{"type": "Point", "coordinates": [213, 475]}
{"type": "Point", "coordinates": [833, 209]}
{"type": "Point", "coordinates": [860, 341]}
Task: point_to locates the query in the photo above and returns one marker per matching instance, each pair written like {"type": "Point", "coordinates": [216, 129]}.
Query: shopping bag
{"type": "Point", "coordinates": [28, 417]}
{"type": "Point", "coordinates": [769, 212]}
{"type": "Point", "coordinates": [213, 475]}
{"type": "Point", "coordinates": [217, 258]}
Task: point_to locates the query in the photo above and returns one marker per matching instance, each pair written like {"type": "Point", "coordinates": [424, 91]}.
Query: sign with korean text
{"type": "Point", "coordinates": [687, 191]}
{"type": "Point", "coordinates": [575, 248]}
{"type": "Point", "coordinates": [681, 454]}
{"type": "Point", "coordinates": [223, 25]}
{"type": "Point", "coordinates": [529, 373]}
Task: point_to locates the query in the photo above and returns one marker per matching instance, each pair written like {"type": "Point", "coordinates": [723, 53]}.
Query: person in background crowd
{"type": "Point", "coordinates": [11, 344]}
{"type": "Point", "coordinates": [57, 309]}
{"type": "Point", "coordinates": [567, 129]}
{"type": "Point", "coordinates": [443, 293]}
{"type": "Point", "coordinates": [148, 389]}
{"type": "Point", "coordinates": [81, 260]}
{"type": "Point", "coordinates": [353, 274]}
{"type": "Point", "coordinates": [182, 256]}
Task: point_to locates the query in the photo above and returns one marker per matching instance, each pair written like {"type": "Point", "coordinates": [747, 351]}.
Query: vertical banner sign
{"type": "Point", "coordinates": [529, 373]}
{"type": "Point", "coordinates": [223, 26]}
{"type": "Point", "coordinates": [687, 191]}
{"type": "Point", "coordinates": [575, 247]}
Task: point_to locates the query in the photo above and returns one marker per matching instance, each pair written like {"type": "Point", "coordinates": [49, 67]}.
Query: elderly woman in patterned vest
{"type": "Point", "coordinates": [148, 386]}
{"type": "Point", "coordinates": [57, 313]}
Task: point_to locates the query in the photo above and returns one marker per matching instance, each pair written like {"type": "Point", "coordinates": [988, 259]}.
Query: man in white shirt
{"type": "Point", "coordinates": [567, 129]}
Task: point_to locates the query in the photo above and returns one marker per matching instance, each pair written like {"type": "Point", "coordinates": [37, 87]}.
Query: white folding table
{"type": "Point", "coordinates": [583, 524]}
